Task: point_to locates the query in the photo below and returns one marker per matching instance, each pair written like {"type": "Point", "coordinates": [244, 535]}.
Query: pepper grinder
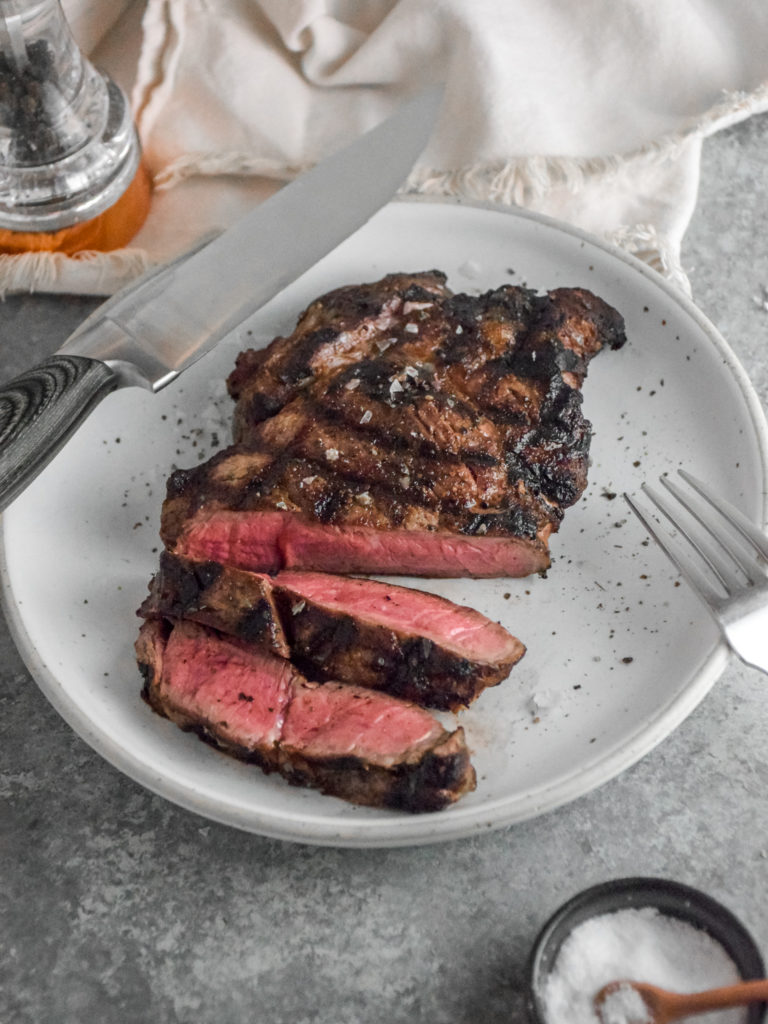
{"type": "Point", "coordinates": [71, 175]}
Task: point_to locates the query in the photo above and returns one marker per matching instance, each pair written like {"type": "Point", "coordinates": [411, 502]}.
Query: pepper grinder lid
{"type": "Point", "coordinates": [68, 146]}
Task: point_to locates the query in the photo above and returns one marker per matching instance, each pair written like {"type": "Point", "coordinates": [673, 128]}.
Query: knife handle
{"type": "Point", "coordinates": [40, 410]}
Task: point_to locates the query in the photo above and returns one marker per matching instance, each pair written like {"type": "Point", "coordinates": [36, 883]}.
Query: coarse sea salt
{"type": "Point", "coordinates": [637, 945]}
{"type": "Point", "coordinates": [625, 1006]}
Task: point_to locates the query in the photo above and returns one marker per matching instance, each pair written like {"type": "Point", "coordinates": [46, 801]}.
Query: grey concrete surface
{"type": "Point", "coordinates": [116, 906]}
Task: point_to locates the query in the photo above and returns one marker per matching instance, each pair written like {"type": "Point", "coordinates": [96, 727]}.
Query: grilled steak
{"type": "Point", "coordinates": [365, 747]}
{"type": "Point", "coordinates": [238, 603]}
{"type": "Point", "coordinates": [408, 643]}
{"type": "Point", "coordinates": [402, 429]}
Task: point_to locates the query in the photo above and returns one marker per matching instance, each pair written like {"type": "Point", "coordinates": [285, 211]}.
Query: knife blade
{"type": "Point", "coordinates": [151, 331]}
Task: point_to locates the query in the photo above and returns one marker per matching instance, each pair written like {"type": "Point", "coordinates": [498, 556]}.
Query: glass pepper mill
{"type": "Point", "coordinates": [71, 176]}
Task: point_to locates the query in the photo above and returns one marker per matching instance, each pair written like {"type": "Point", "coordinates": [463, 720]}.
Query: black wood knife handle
{"type": "Point", "coordinates": [40, 410]}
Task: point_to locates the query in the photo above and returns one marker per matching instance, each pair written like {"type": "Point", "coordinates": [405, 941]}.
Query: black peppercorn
{"type": "Point", "coordinates": [28, 104]}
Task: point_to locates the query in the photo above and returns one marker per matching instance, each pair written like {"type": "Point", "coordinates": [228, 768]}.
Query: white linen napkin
{"type": "Point", "coordinates": [591, 112]}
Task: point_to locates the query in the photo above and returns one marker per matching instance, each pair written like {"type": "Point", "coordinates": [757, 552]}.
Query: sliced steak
{"type": "Point", "coordinates": [209, 593]}
{"type": "Point", "coordinates": [236, 697]}
{"type": "Point", "coordinates": [402, 429]}
{"type": "Point", "coordinates": [412, 644]}
{"type": "Point", "coordinates": [365, 747]}
{"type": "Point", "coordinates": [406, 642]}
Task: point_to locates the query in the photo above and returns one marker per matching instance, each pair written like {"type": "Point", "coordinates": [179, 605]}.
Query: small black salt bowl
{"type": "Point", "coordinates": [671, 898]}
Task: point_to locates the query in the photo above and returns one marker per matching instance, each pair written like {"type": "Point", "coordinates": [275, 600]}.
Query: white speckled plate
{"type": "Point", "coordinates": [618, 651]}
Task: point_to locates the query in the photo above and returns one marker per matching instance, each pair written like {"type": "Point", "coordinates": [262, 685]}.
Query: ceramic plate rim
{"type": "Point", "coordinates": [459, 822]}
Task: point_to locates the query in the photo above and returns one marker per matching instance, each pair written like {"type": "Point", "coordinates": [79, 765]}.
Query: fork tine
{"type": "Point", "coordinates": [704, 515]}
{"type": "Point", "coordinates": [737, 519]}
{"type": "Point", "coordinates": [673, 550]}
{"type": "Point", "coordinates": [699, 541]}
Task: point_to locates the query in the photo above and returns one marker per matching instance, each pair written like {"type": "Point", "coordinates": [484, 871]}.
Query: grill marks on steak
{"type": "Point", "coordinates": [339, 328]}
{"type": "Point", "coordinates": [346, 741]}
{"type": "Point", "coordinates": [363, 483]}
{"type": "Point", "coordinates": [399, 429]}
{"type": "Point", "coordinates": [421, 432]}
{"type": "Point", "coordinates": [229, 600]}
{"type": "Point", "coordinates": [408, 643]}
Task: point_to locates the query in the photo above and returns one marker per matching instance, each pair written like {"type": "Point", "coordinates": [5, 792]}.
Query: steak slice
{"type": "Point", "coordinates": [402, 429]}
{"type": "Point", "coordinates": [365, 747]}
{"type": "Point", "coordinates": [237, 603]}
{"type": "Point", "coordinates": [406, 642]}
{"type": "Point", "coordinates": [238, 698]}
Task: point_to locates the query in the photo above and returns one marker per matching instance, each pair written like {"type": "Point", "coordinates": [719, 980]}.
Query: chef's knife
{"type": "Point", "coordinates": [150, 332]}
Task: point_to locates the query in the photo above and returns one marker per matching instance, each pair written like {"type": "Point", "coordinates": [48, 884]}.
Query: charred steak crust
{"type": "Point", "coordinates": [206, 592]}
{"type": "Point", "coordinates": [412, 644]}
{"type": "Point", "coordinates": [398, 407]}
{"type": "Point", "coordinates": [399, 429]}
{"type": "Point", "coordinates": [336, 329]}
{"type": "Point", "coordinates": [437, 780]}
{"type": "Point", "coordinates": [336, 738]}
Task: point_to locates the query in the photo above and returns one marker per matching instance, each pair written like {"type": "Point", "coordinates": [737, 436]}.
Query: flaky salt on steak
{"type": "Point", "coordinates": [406, 642]}
{"type": "Point", "coordinates": [365, 747]}
{"type": "Point", "coordinates": [402, 429]}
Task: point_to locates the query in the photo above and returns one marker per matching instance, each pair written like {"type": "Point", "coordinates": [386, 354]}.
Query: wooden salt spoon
{"type": "Point", "coordinates": [664, 1006]}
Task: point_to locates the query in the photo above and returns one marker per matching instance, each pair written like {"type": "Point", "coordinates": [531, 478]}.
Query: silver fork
{"type": "Point", "coordinates": [723, 556]}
